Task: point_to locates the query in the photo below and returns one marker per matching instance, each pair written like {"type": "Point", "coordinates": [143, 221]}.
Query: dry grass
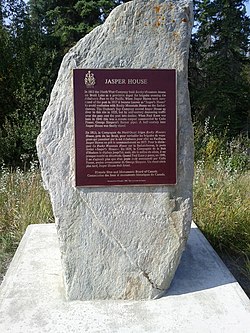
{"type": "Point", "coordinates": [221, 207]}
{"type": "Point", "coordinates": [23, 201]}
{"type": "Point", "coordinates": [221, 210]}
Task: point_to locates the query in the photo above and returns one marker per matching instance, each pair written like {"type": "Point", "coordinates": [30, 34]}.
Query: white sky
{"type": "Point", "coordinates": [248, 9]}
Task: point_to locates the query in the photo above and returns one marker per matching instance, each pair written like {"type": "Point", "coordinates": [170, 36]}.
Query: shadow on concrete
{"type": "Point", "coordinates": [200, 267]}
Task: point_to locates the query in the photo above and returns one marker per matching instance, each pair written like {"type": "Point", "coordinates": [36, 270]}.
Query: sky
{"type": "Point", "coordinates": [248, 8]}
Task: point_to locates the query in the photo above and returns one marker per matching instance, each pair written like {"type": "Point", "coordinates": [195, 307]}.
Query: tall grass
{"type": "Point", "coordinates": [23, 201]}
{"type": "Point", "coordinates": [222, 195]}
{"type": "Point", "coordinates": [221, 209]}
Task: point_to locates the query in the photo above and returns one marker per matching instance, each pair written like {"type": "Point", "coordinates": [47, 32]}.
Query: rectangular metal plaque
{"type": "Point", "coordinates": [125, 127]}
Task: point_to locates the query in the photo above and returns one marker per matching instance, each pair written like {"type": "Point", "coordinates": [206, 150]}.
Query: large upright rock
{"type": "Point", "coordinates": [121, 242]}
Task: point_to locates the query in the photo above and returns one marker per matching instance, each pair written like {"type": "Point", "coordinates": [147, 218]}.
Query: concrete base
{"type": "Point", "coordinates": [204, 296]}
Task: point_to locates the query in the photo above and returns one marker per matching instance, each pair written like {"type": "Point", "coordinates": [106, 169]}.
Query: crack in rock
{"type": "Point", "coordinates": [146, 275]}
{"type": "Point", "coordinates": [115, 241]}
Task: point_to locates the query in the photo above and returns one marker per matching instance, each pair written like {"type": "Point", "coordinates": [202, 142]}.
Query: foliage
{"type": "Point", "coordinates": [7, 98]}
{"type": "Point", "coordinates": [33, 40]}
{"type": "Point", "coordinates": [23, 201]}
{"type": "Point", "coordinates": [221, 208]}
{"type": "Point", "coordinates": [231, 155]}
{"type": "Point", "coordinates": [220, 65]}
{"type": "Point", "coordinates": [35, 36]}
{"type": "Point", "coordinates": [67, 21]}
{"type": "Point", "coordinates": [221, 195]}
{"type": "Point", "coordinates": [27, 73]}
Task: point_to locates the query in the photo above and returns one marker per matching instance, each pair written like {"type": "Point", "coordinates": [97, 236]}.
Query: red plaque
{"type": "Point", "coordinates": [125, 127]}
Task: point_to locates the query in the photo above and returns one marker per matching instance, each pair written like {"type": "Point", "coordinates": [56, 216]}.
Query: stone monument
{"type": "Point", "coordinates": [121, 242]}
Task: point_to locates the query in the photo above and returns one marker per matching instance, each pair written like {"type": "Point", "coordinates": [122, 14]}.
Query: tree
{"type": "Point", "coordinates": [68, 21]}
{"type": "Point", "coordinates": [27, 72]}
{"type": "Point", "coordinates": [34, 37]}
{"type": "Point", "coordinates": [218, 62]}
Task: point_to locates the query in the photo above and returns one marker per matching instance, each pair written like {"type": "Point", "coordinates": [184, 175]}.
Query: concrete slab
{"type": "Point", "coordinates": [204, 296]}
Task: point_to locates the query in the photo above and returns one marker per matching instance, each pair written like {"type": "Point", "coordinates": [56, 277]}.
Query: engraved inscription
{"type": "Point", "coordinates": [110, 109]}
{"type": "Point", "coordinates": [123, 149]}
{"type": "Point", "coordinates": [115, 110]}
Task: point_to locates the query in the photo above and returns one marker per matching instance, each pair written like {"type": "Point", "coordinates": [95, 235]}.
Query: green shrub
{"type": "Point", "coordinates": [222, 152]}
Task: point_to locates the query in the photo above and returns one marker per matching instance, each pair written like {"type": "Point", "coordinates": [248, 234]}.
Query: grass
{"type": "Point", "coordinates": [221, 210]}
{"type": "Point", "coordinates": [222, 197]}
{"type": "Point", "coordinates": [23, 201]}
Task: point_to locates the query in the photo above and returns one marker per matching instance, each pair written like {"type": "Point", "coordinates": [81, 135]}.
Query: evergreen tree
{"type": "Point", "coordinates": [69, 20]}
{"type": "Point", "coordinates": [33, 39]}
{"type": "Point", "coordinates": [218, 62]}
{"type": "Point", "coordinates": [7, 77]}
{"type": "Point", "coordinates": [10, 69]}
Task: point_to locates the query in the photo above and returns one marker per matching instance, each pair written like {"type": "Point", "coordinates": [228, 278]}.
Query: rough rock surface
{"type": "Point", "coordinates": [121, 242]}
